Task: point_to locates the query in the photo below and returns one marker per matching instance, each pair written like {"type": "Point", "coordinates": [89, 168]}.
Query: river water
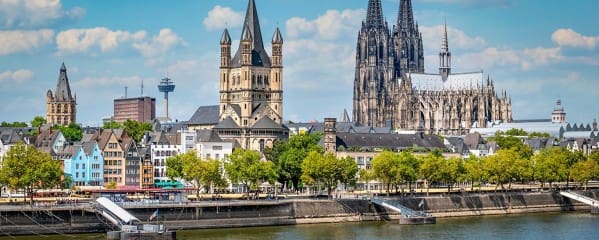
{"type": "Point", "coordinates": [528, 226]}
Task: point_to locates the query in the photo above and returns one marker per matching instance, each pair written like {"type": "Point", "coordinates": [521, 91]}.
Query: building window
{"type": "Point", "coordinates": [217, 148]}
{"type": "Point", "coordinates": [77, 166]}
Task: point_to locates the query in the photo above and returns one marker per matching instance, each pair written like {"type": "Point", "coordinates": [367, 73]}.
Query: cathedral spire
{"type": "Point", "coordinates": [444, 56]}
{"type": "Point", "coordinates": [405, 18]}
{"type": "Point", "coordinates": [374, 15]}
{"type": "Point", "coordinates": [259, 56]}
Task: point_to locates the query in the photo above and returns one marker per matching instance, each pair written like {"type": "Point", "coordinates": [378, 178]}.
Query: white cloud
{"type": "Point", "coordinates": [17, 76]}
{"type": "Point", "coordinates": [525, 59]}
{"type": "Point", "coordinates": [81, 40]}
{"type": "Point", "coordinates": [571, 38]}
{"type": "Point", "coordinates": [221, 17]}
{"type": "Point", "coordinates": [34, 13]}
{"type": "Point", "coordinates": [160, 44]}
{"type": "Point", "coordinates": [431, 37]}
{"type": "Point", "coordinates": [17, 41]}
{"type": "Point", "coordinates": [331, 25]}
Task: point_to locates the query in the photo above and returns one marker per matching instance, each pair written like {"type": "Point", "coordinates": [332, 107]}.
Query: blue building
{"type": "Point", "coordinates": [83, 163]}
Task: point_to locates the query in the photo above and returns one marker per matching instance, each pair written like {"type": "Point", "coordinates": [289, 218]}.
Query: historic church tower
{"type": "Point", "coordinates": [375, 70]}
{"type": "Point", "coordinates": [61, 107]}
{"type": "Point", "coordinates": [251, 87]}
{"type": "Point", "coordinates": [407, 41]}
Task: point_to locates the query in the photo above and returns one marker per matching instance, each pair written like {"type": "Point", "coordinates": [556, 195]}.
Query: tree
{"type": "Point", "coordinates": [584, 171]}
{"type": "Point", "coordinates": [136, 129]}
{"type": "Point", "coordinates": [408, 168]}
{"type": "Point", "coordinates": [246, 167]}
{"type": "Point", "coordinates": [72, 132]}
{"type": "Point", "coordinates": [328, 170]}
{"type": "Point", "coordinates": [174, 166]}
{"type": "Point", "coordinates": [366, 175]}
{"type": "Point", "coordinates": [431, 167]}
{"type": "Point", "coordinates": [385, 168]}
{"type": "Point", "coordinates": [112, 125]}
{"type": "Point", "coordinates": [288, 155]}
{"type": "Point", "coordinates": [349, 169]}
{"type": "Point", "coordinates": [452, 171]}
{"type": "Point", "coordinates": [550, 165]}
{"type": "Point", "coordinates": [14, 124]}
{"type": "Point", "coordinates": [473, 171]}
{"type": "Point", "coordinates": [507, 165]}
{"type": "Point", "coordinates": [25, 167]}
{"type": "Point", "coordinates": [38, 121]}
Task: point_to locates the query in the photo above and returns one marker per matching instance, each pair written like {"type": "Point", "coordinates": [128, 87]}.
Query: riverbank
{"type": "Point", "coordinates": [25, 220]}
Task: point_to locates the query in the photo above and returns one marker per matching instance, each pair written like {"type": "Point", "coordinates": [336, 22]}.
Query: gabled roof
{"type": "Point", "coordinates": [228, 123]}
{"type": "Point", "coordinates": [10, 136]}
{"type": "Point", "coordinates": [208, 135]}
{"type": "Point", "coordinates": [459, 81]}
{"type": "Point", "coordinates": [205, 115]}
{"type": "Point", "coordinates": [267, 123]}
{"type": "Point", "coordinates": [472, 140]}
{"type": "Point", "coordinates": [88, 147]}
{"type": "Point", "coordinates": [63, 90]}
{"type": "Point", "coordinates": [388, 140]}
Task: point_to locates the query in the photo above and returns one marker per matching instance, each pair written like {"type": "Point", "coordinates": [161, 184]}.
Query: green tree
{"type": "Point", "coordinates": [385, 168]}
{"type": "Point", "coordinates": [288, 155]}
{"type": "Point", "coordinates": [452, 170]}
{"type": "Point", "coordinates": [366, 175]}
{"type": "Point", "coordinates": [550, 165]}
{"type": "Point", "coordinates": [25, 167]}
{"type": "Point", "coordinates": [516, 132]}
{"type": "Point", "coordinates": [174, 165]}
{"type": "Point", "coordinates": [506, 166]}
{"type": "Point", "coordinates": [14, 124]}
{"type": "Point", "coordinates": [136, 129]}
{"type": "Point", "coordinates": [38, 121]}
{"type": "Point", "coordinates": [328, 170]}
{"type": "Point", "coordinates": [349, 170]}
{"type": "Point", "coordinates": [539, 135]}
{"type": "Point", "coordinates": [473, 171]}
{"type": "Point", "coordinates": [246, 167]}
{"type": "Point", "coordinates": [72, 132]}
{"type": "Point", "coordinates": [408, 168]}
{"type": "Point", "coordinates": [584, 171]}
{"type": "Point", "coordinates": [112, 125]}
{"type": "Point", "coordinates": [430, 170]}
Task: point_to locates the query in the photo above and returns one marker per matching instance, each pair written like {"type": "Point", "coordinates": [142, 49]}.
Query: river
{"type": "Point", "coordinates": [527, 226]}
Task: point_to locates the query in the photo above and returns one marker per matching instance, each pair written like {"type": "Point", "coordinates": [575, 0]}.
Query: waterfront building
{"type": "Point", "coordinates": [161, 147]}
{"type": "Point", "coordinates": [8, 138]}
{"type": "Point", "coordinates": [113, 152]}
{"type": "Point", "coordinates": [133, 163]}
{"type": "Point", "coordinates": [82, 163]}
{"type": "Point", "coordinates": [61, 106]}
{"type": "Point", "coordinates": [51, 142]}
{"type": "Point", "coordinates": [140, 109]}
{"type": "Point", "coordinates": [147, 168]}
{"type": "Point", "coordinates": [391, 88]}
{"type": "Point", "coordinates": [251, 87]}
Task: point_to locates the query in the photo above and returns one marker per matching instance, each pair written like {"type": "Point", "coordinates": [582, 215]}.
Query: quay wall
{"type": "Point", "coordinates": [25, 220]}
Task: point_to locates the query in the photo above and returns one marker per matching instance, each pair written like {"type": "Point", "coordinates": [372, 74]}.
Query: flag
{"type": "Point", "coordinates": [420, 205]}
{"type": "Point", "coordinates": [155, 214]}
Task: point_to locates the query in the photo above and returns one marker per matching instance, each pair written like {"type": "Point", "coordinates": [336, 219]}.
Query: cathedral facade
{"type": "Point", "coordinates": [61, 106]}
{"type": "Point", "coordinates": [391, 88]}
{"type": "Point", "coordinates": [251, 87]}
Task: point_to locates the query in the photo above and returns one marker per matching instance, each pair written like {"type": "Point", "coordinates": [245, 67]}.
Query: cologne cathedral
{"type": "Point", "coordinates": [391, 88]}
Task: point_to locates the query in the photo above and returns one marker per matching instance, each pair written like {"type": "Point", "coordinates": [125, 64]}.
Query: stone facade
{"type": "Point", "coordinates": [61, 106]}
{"type": "Point", "coordinates": [391, 88]}
{"type": "Point", "coordinates": [251, 87]}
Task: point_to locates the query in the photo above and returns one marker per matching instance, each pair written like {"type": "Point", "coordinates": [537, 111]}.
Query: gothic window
{"type": "Point", "coordinates": [266, 80]}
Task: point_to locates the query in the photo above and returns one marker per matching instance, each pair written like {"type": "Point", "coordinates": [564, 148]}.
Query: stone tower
{"type": "Point", "coordinates": [251, 87]}
{"type": "Point", "coordinates": [61, 106]}
{"type": "Point", "coordinates": [407, 41]}
{"type": "Point", "coordinates": [375, 68]}
{"type": "Point", "coordinates": [250, 80]}
{"type": "Point", "coordinates": [330, 135]}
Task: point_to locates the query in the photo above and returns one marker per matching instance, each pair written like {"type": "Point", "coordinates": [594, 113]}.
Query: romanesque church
{"type": "Point", "coordinates": [391, 88]}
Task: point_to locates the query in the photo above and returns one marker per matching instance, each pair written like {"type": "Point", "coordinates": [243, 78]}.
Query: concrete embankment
{"type": "Point", "coordinates": [18, 220]}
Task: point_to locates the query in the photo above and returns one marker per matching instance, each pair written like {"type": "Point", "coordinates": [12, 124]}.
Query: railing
{"type": "Point", "coordinates": [403, 210]}
{"type": "Point", "coordinates": [580, 198]}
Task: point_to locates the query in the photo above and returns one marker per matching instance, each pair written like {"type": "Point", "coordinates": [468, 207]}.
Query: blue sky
{"type": "Point", "coordinates": [538, 50]}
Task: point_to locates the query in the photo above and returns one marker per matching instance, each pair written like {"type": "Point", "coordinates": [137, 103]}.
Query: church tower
{"type": "Point", "coordinates": [444, 57]}
{"type": "Point", "coordinates": [61, 106]}
{"type": "Point", "coordinates": [251, 87]}
{"type": "Point", "coordinates": [559, 114]}
{"type": "Point", "coordinates": [250, 80]}
{"type": "Point", "coordinates": [407, 41]}
{"type": "Point", "coordinates": [375, 71]}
